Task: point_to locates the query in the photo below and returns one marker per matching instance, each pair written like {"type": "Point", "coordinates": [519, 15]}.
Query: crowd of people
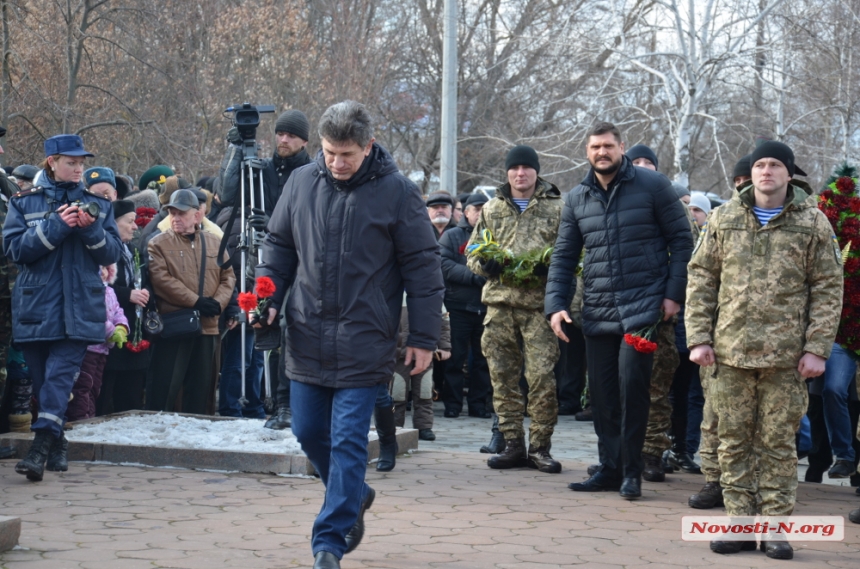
{"type": "Point", "coordinates": [677, 324]}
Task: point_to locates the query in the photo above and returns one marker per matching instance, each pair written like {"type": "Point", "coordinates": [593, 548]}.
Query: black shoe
{"type": "Point", "coordinates": [387, 433]}
{"type": "Point", "coordinates": [33, 465]}
{"type": "Point", "coordinates": [497, 441]}
{"type": "Point", "coordinates": [684, 462]}
{"type": "Point", "coordinates": [279, 420]}
{"type": "Point", "coordinates": [631, 488]}
{"type": "Point", "coordinates": [514, 455]}
{"type": "Point", "coordinates": [653, 468]}
{"type": "Point", "coordinates": [451, 414]}
{"type": "Point", "coordinates": [58, 455]}
{"type": "Point", "coordinates": [815, 475]}
{"type": "Point", "coordinates": [326, 560]}
{"type": "Point", "coordinates": [709, 496]}
{"type": "Point", "coordinates": [842, 469]}
{"type": "Point", "coordinates": [597, 483]}
{"type": "Point", "coordinates": [480, 414]}
{"type": "Point", "coordinates": [728, 547]}
{"type": "Point", "coordinates": [539, 457]}
{"type": "Point", "coordinates": [593, 469]}
{"type": "Point", "coordinates": [356, 532]}
{"type": "Point", "coordinates": [777, 549]}
{"type": "Point", "coordinates": [426, 435]}
{"type": "Point", "coordinates": [854, 516]}
{"type": "Point", "coordinates": [584, 415]}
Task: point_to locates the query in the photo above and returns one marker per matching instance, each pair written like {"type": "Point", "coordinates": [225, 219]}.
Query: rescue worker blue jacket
{"type": "Point", "coordinates": [59, 293]}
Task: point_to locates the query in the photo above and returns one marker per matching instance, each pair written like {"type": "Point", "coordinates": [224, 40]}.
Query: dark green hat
{"type": "Point", "coordinates": [154, 174]}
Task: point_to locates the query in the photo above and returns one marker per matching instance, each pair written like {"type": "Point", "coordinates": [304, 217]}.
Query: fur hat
{"type": "Point", "coordinates": [145, 198]}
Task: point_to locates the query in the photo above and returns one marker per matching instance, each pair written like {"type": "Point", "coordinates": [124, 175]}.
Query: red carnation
{"type": "Point", "coordinates": [463, 247]}
{"type": "Point", "coordinates": [845, 185]}
{"type": "Point", "coordinates": [832, 215]}
{"type": "Point", "coordinates": [647, 347]}
{"type": "Point", "coordinates": [247, 301]}
{"type": "Point", "coordinates": [841, 202]}
{"type": "Point", "coordinates": [826, 195]}
{"type": "Point", "coordinates": [852, 266]}
{"type": "Point", "coordinates": [138, 347]}
{"type": "Point", "coordinates": [265, 287]}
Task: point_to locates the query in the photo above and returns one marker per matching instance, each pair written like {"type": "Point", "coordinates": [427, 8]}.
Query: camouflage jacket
{"type": "Point", "coordinates": [763, 296]}
{"type": "Point", "coordinates": [536, 227]}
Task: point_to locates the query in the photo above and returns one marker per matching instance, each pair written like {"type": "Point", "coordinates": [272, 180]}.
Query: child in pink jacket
{"type": "Point", "coordinates": [89, 382]}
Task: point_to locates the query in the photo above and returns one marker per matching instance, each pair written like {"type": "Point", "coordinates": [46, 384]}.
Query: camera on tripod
{"type": "Point", "coordinates": [246, 118]}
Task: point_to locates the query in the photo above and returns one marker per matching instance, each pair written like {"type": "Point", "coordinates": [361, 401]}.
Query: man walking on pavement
{"type": "Point", "coordinates": [628, 220]}
{"type": "Point", "coordinates": [348, 236]}
{"type": "Point", "coordinates": [769, 261]}
{"type": "Point", "coordinates": [522, 217]}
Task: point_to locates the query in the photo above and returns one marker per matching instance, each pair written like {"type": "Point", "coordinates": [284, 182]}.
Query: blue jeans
{"type": "Point", "coordinates": [230, 386]}
{"type": "Point", "coordinates": [838, 374]}
{"type": "Point", "coordinates": [332, 427]}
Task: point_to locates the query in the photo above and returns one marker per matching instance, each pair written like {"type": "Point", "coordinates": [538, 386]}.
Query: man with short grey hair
{"type": "Point", "coordinates": [349, 236]}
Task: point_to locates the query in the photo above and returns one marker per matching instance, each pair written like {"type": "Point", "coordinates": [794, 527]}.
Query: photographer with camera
{"type": "Point", "coordinates": [58, 234]}
{"type": "Point", "coordinates": [291, 135]}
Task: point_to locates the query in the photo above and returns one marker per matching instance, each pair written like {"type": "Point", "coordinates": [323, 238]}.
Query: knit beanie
{"type": "Point", "coordinates": [743, 167]}
{"type": "Point", "coordinates": [522, 156]}
{"type": "Point", "coordinates": [680, 190]}
{"type": "Point", "coordinates": [701, 201]}
{"type": "Point", "coordinates": [642, 151]}
{"type": "Point", "coordinates": [293, 122]}
{"type": "Point", "coordinates": [775, 150]}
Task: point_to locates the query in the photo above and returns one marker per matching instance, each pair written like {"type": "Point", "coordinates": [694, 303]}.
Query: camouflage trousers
{"type": "Point", "coordinates": [511, 337]}
{"type": "Point", "coordinates": [710, 440]}
{"type": "Point", "coordinates": [666, 361]}
{"type": "Point", "coordinates": [770, 402]}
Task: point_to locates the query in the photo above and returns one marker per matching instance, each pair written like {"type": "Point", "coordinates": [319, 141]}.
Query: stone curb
{"type": "Point", "coordinates": [10, 531]}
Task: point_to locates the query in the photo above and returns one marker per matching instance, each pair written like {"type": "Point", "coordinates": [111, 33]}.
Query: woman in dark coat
{"type": "Point", "coordinates": [125, 371]}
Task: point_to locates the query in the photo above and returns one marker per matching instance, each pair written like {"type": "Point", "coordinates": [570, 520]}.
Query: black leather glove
{"type": "Point", "coordinates": [540, 270]}
{"type": "Point", "coordinates": [263, 317]}
{"type": "Point", "coordinates": [258, 219]}
{"type": "Point", "coordinates": [207, 306]}
{"type": "Point", "coordinates": [492, 267]}
{"type": "Point", "coordinates": [233, 136]}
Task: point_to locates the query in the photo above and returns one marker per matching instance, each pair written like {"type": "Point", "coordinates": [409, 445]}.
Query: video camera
{"type": "Point", "coordinates": [246, 118]}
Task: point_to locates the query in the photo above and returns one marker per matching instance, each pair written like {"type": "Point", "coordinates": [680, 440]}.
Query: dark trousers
{"type": "Point", "coordinates": [680, 394]}
{"type": "Point", "coordinates": [569, 376]}
{"type": "Point", "coordinates": [54, 366]}
{"type": "Point", "coordinates": [87, 387]}
{"type": "Point", "coordinates": [185, 365]}
{"type": "Point", "coordinates": [122, 390]}
{"type": "Point", "coordinates": [466, 330]}
{"type": "Point", "coordinates": [619, 380]}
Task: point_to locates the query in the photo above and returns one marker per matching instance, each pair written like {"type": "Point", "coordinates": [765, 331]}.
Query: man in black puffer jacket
{"type": "Point", "coordinates": [463, 301]}
{"type": "Point", "coordinates": [628, 220]}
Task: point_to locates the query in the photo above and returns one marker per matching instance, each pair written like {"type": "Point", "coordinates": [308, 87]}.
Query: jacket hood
{"type": "Point", "coordinates": [542, 188]}
{"type": "Point", "coordinates": [377, 164]}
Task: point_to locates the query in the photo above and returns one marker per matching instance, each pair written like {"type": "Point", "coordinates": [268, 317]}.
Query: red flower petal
{"type": "Point", "coordinates": [265, 287]}
{"type": "Point", "coordinates": [247, 301]}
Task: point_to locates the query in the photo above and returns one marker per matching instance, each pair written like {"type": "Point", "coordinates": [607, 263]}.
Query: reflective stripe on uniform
{"type": "Point", "coordinates": [44, 239]}
{"type": "Point", "coordinates": [36, 215]}
{"type": "Point", "coordinates": [50, 417]}
{"type": "Point", "coordinates": [98, 245]}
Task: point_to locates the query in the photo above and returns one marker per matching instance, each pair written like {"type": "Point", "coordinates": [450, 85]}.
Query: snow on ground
{"type": "Point", "coordinates": [173, 431]}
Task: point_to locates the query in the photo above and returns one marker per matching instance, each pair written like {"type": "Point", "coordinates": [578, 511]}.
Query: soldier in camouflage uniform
{"type": "Point", "coordinates": [523, 216]}
{"type": "Point", "coordinates": [769, 261]}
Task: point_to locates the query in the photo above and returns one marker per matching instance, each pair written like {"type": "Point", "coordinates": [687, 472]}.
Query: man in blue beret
{"type": "Point", "coordinates": [102, 182]}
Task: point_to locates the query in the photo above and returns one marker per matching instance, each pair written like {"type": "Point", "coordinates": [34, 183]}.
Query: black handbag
{"type": "Point", "coordinates": [185, 323]}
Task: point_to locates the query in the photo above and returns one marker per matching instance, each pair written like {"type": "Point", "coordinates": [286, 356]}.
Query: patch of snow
{"type": "Point", "coordinates": [173, 431]}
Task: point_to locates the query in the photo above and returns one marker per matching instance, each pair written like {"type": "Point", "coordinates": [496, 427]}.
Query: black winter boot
{"type": "Point", "coordinates": [513, 456]}
{"type": "Point", "coordinates": [386, 432]}
{"type": "Point", "coordinates": [279, 420]}
{"type": "Point", "coordinates": [58, 455]}
{"type": "Point", "coordinates": [33, 465]}
{"type": "Point", "coordinates": [653, 468]}
{"type": "Point", "coordinates": [497, 442]}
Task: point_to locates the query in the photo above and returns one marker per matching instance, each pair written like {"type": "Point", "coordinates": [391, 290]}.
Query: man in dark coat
{"type": "Point", "coordinates": [348, 236]}
{"type": "Point", "coordinates": [628, 220]}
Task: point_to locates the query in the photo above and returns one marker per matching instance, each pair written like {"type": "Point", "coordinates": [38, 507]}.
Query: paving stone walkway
{"type": "Point", "coordinates": [441, 507]}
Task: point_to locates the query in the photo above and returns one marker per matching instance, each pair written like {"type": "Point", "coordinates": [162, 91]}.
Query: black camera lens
{"type": "Point", "coordinates": [92, 208]}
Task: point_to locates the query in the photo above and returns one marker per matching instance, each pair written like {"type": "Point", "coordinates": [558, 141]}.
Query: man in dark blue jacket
{"type": "Point", "coordinates": [628, 220]}
{"type": "Point", "coordinates": [58, 234]}
{"type": "Point", "coordinates": [350, 234]}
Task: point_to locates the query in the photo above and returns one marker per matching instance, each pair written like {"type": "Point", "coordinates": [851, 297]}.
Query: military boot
{"type": "Point", "coordinates": [709, 496]}
{"type": "Point", "coordinates": [497, 441]}
{"type": "Point", "coordinates": [539, 457]}
{"type": "Point", "coordinates": [514, 455]}
{"type": "Point", "coordinates": [58, 455]}
{"type": "Point", "coordinates": [386, 431]}
{"type": "Point", "coordinates": [33, 465]}
{"type": "Point", "coordinates": [653, 468]}
{"type": "Point", "coordinates": [279, 420]}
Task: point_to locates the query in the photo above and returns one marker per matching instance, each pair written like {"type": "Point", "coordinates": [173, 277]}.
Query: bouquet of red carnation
{"type": "Point", "coordinates": [144, 216]}
{"type": "Point", "coordinates": [257, 304]}
{"type": "Point", "coordinates": [641, 340]}
{"type": "Point", "coordinates": [137, 344]}
{"type": "Point", "coordinates": [841, 205]}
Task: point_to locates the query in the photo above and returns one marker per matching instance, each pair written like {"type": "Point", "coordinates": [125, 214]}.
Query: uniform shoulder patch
{"type": "Point", "coordinates": [33, 190]}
